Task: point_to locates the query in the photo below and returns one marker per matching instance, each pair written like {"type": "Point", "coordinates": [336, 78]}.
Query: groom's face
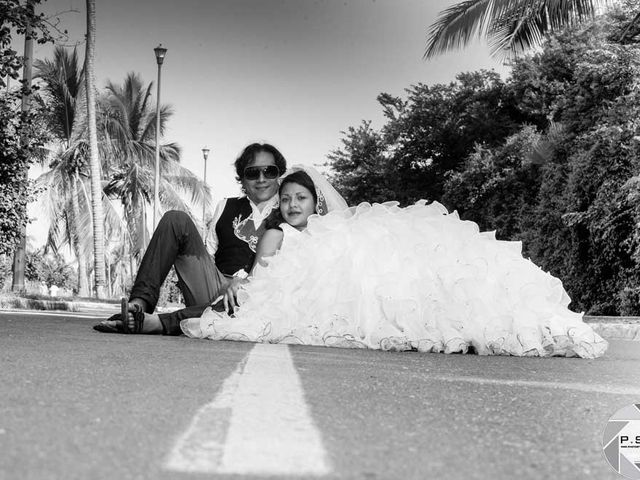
{"type": "Point", "coordinates": [262, 188]}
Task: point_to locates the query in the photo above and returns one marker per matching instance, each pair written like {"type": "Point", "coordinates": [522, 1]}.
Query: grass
{"type": "Point", "coordinates": [35, 301]}
{"type": "Point", "coordinates": [8, 301]}
{"type": "Point", "coordinates": [36, 296]}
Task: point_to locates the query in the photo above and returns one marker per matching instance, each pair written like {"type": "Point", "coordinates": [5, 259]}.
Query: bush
{"type": "Point", "coordinates": [170, 292]}
{"type": "Point", "coordinates": [630, 301]}
{"type": "Point", "coordinates": [50, 269]}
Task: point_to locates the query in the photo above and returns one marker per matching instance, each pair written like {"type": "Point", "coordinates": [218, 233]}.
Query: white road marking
{"type": "Point", "coordinates": [258, 424]}
{"type": "Point", "coordinates": [581, 387]}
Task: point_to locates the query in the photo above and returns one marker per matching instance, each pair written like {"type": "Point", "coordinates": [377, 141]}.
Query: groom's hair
{"type": "Point", "coordinates": [248, 155]}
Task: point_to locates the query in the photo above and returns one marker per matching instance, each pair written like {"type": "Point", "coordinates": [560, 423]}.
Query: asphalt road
{"type": "Point", "coordinates": [77, 404]}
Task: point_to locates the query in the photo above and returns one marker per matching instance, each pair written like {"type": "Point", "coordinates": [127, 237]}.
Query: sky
{"type": "Point", "coordinates": [293, 73]}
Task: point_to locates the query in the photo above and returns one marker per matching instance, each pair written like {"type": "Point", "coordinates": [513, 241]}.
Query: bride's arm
{"type": "Point", "coordinates": [268, 245]}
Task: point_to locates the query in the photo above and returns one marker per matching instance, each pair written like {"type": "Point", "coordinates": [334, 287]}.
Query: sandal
{"type": "Point", "coordinates": [138, 316]}
{"type": "Point", "coordinates": [113, 324]}
{"type": "Point", "coordinates": [109, 326]}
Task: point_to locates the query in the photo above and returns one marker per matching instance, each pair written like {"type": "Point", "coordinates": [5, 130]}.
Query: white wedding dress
{"type": "Point", "coordinates": [415, 278]}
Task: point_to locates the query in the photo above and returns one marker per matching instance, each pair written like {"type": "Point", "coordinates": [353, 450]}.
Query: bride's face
{"type": "Point", "coordinates": [296, 204]}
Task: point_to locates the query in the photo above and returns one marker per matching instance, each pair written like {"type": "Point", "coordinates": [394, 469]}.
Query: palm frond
{"type": "Point", "coordinates": [57, 237]}
{"type": "Point", "coordinates": [149, 131]}
{"type": "Point", "coordinates": [516, 32]}
{"type": "Point", "coordinates": [63, 87]}
{"type": "Point", "coordinates": [525, 26]}
{"type": "Point", "coordinates": [170, 199]}
{"type": "Point", "coordinates": [546, 145]}
{"type": "Point", "coordinates": [510, 25]}
{"type": "Point", "coordinates": [54, 202]}
{"type": "Point", "coordinates": [113, 223]}
{"type": "Point", "coordinates": [456, 25]}
{"type": "Point", "coordinates": [190, 188]}
{"type": "Point", "coordinates": [170, 152]}
{"type": "Point", "coordinates": [145, 108]}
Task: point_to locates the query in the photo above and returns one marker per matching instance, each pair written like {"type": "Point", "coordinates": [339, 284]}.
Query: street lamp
{"type": "Point", "coordinates": [160, 53]}
{"type": "Point", "coordinates": [205, 155]}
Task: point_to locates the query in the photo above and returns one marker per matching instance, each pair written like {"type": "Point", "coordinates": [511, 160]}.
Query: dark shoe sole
{"type": "Point", "coordinates": [106, 328]}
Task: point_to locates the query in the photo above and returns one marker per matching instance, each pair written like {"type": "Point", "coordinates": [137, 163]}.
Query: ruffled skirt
{"type": "Point", "coordinates": [415, 278]}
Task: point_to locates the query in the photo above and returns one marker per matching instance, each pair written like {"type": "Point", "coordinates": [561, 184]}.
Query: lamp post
{"type": "Point", "coordinates": [160, 53]}
{"type": "Point", "coordinates": [205, 155]}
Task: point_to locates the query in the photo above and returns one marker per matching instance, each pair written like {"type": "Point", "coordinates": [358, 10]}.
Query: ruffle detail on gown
{"type": "Point", "coordinates": [416, 278]}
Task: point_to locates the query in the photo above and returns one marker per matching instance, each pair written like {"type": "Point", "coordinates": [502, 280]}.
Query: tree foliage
{"type": "Point", "coordinates": [128, 127]}
{"type": "Point", "coordinates": [427, 135]}
{"type": "Point", "coordinates": [548, 156]}
{"type": "Point", "coordinates": [62, 81]}
{"type": "Point", "coordinates": [15, 17]}
{"type": "Point", "coordinates": [21, 137]}
{"type": "Point", "coordinates": [50, 269]}
{"type": "Point", "coordinates": [126, 140]}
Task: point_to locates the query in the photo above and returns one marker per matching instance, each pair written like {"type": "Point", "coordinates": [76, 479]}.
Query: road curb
{"type": "Point", "coordinates": [615, 328]}
{"type": "Point", "coordinates": [617, 331]}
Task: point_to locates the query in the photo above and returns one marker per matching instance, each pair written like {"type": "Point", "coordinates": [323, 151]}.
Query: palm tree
{"type": "Point", "coordinates": [129, 144]}
{"type": "Point", "coordinates": [511, 26]}
{"type": "Point", "coordinates": [94, 163]}
{"type": "Point", "coordinates": [63, 87]}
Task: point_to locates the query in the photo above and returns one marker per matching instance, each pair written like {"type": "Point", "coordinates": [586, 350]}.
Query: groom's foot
{"type": "Point", "coordinates": [151, 325]}
{"type": "Point", "coordinates": [138, 301]}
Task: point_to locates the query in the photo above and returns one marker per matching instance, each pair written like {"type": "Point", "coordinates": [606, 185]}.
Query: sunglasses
{"type": "Point", "coordinates": [253, 173]}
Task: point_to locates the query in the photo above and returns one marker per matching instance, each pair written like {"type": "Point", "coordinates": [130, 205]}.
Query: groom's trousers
{"type": "Point", "coordinates": [177, 242]}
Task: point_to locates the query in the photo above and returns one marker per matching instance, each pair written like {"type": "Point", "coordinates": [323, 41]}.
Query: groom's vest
{"type": "Point", "coordinates": [237, 237]}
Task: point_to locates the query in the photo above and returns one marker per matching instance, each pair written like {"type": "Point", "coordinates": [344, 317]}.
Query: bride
{"type": "Point", "coordinates": [384, 277]}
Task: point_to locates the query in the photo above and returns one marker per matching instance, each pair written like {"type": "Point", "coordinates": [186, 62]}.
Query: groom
{"type": "Point", "coordinates": [236, 227]}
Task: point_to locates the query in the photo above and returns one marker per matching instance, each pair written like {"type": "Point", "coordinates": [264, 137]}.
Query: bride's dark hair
{"type": "Point", "coordinates": [299, 177]}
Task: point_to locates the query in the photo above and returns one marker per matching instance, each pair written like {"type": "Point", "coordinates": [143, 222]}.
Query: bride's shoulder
{"type": "Point", "coordinates": [272, 235]}
{"type": "Point", "coordinates": [269, 243]}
